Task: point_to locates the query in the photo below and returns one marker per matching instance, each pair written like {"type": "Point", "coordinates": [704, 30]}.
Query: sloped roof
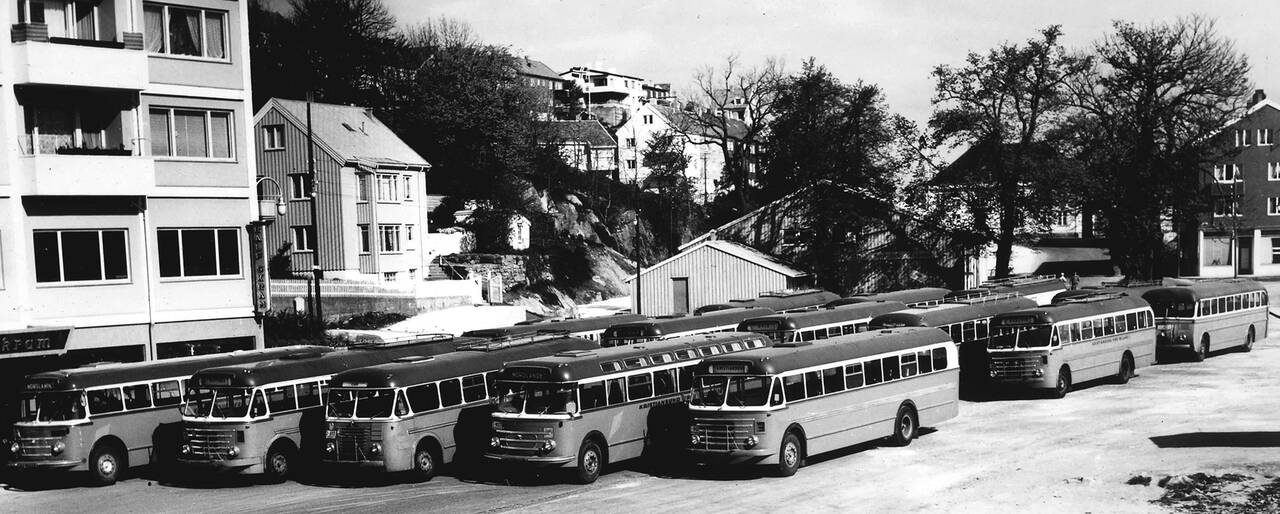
{"type": "Point", "coordinates": [573, 131]}
{"type": "Point", "coordinates": [351, 132]}
{"type": "Point", "coordinates": [745, 253]}
{"type": "Point", "coordinates": [704, 124]}
{"type": "Point", "coordinates": [534, 68]}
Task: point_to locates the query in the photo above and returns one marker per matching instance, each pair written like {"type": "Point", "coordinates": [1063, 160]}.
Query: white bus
{"type": "Point", "coordinates": [1204, 316]}
{"type": "Point", "coordinates": [667, 327]}
{"type": "Point", "coordinates": [819, 324]}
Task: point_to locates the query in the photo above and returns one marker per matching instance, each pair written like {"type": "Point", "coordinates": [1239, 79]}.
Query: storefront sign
{"type": "Point", "coordinates": [33, 341]}
{"type": "Point", "coordinates": [258, 258]}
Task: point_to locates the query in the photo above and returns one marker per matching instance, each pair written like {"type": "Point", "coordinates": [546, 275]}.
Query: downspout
{"type": "Point", "coordinates": [150, 354]}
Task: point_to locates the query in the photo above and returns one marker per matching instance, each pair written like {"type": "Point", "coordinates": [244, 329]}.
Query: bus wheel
{"type": "Point", "coordinates": [276, 465]}
{"type": "Point", "coordinates": [905, 426]}
{"type": "Point", "coordinates": [790, 455]}
{"type": "Point", "coordinates": [1201, 353]}
{"type": "Point", "coordinates": [1248, 340]}
{"type": "Point", "coordinates": [424, 462]}
{"type": "Point", "coordinates": [1064, 382]}
{"type": "Point", "coordinates": [1126, 369]}
{"type": "Point", "coordinates": [590, 461]}
{"type": "Point", "coordinates": [106, 464]}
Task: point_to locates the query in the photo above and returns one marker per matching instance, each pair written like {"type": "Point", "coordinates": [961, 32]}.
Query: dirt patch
{"type": "Point", "coordinates": [1226, 493]}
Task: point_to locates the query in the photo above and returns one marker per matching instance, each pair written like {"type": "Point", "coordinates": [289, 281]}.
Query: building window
{"type": "Point", "coordinates": [648, 119]}
{"type": "Point", "coordinates": [389, 276]}
{"type": "Point", "coordinates": [76, 19]}
{"type": "Point", "coordinates": [362, 188]}
{"type": "Point", "coordinates": [408, 232]}
{"type": "Point", "coordinates": [300, 187]}
{"type": "Point", "coordinates": [1263, 137]}
{"type": "Point", "coordinates": [631, 142]}
{"type": "Point", "coordinates": [81, 255]}
{"type": "Point", "coordinates": [303, 239]}
{"type": "Point", "coordinates": [388, 187]}
{"type": "Point", "coordinates": [413, 274]}
{"type": "Point", "coordinates": [1226, 172]}
{"type": "Point", "coordinates": [191, 133]}
{"type": "Point", "coordinates": [273, 137]}
{"type": "Point", "coordinates": [1273, 171]}
{"type": "Point", "coordinates": [1242, 137]}
{"type": "Point", "coordinates": [52, 128]}
{"type": "Point", "coordinates": [1273, 206]}
{"type": "Point", "coordinates": [1224, 206]}
{"type": "Point", "coordinates": [631, 164]}
{"type": "Point", "coordinates": [389, 238]}
{"type": "Point", "coordinates": [199, 252]}
{"type": "Point", "coordinates": [1275, 250]}
{"type": "Point", "coordinates": [185, 31]}
{"type": "Point", "coordinates": [1217, 251]}
{"type": "Point", "coordinates": [364, 238]}
{"type": "Point", "coordinates": [408, 188]}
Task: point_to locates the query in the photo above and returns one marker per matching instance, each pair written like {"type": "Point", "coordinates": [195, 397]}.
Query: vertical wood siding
{"type": "Point", "coordinates": [714, 277]}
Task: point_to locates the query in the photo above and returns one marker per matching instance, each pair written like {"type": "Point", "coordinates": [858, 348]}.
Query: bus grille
{"type": "Point", "coordinates": [1015, 367]}
{"type": "Point", "coordinates": [522, 441]}
{"type": "Point", "coordinates": [209, 443]}
{"type": "Point", "coordinates": [352, 441]}
{"type": "Point", "coordinates": [721, 434]}
{"type": "Point", "coordinates": [36, 446]}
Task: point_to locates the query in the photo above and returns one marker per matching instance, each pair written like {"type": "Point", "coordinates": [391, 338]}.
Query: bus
{"type": "Point", "coordinates": [918, 297]}
{"type": "Point", "coordinates": [819, 324]}
{"type": "Point", "coordinates": [780, 301]}
{"type": "Point", "coordinates": [968, 322]}
{"type": "Point", "coordinates": [260, 418]}
{"type": "Point", "coordinates": [667, 327]}
{"type": "Point", "coordinates": [778, 405]}
{"type": "Point", "coordinates": [586, 328]}
{"type": "Point", "coordinates": [1040, 288]}
{"type": "Point", "coordinates": [1131, 288]}
{"type": "Point", "coordinates": [1204, 316]}
{"type": "Point", "coordinates": [105, 418]}
{"type": "Point", "coordinates": [1081, 339]}
{"type": "Point", "coordinates": [420, 413]}
{"type": "Point", "coordinates": [586, 409]}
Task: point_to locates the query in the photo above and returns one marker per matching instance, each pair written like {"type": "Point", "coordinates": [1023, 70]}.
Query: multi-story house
{"type": "Point", "coordinates": [545, 81]}
{"type": "Point", "coordinates": [585, 145]}
{"type": "Point", "coordinates": [1241, 235]}
{"type": "Point", "coordinates": [369, 188]}
{"type": "Point", "coordinates": [126, 180]}
{"type": "Point", "coordinates": [605, 87]}
{"type": "Point", "coordinates": [701, 144]}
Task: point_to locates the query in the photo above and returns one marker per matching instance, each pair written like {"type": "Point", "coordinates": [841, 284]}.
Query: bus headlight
{"type": "Point", "coordinates": [494, 441]}
{"type": "Point", "coordinates": [15, 448]}
{"type": "Point", "coordinates": [233, 451]}
{"type": "Point", "coordinates": [1039, 372]}
{"type": "Point", "coordinates": [993, 373]}
{"type": "Point", "coordinates": [329, 447]}
{"type": "Point", "coordinates": [750, 442]}
{"type": "Point", "coordinates": [375, 448]}
{"type": "Point", "coordinates": [57, 447]}
{"type": "Point", "coordinates": [185, 449]}
{"type": "Point", "coordinates": [548, 445]}
{"type": "Point", "coordinates": [496, 425]}
{"type": "Point", "coordinates": [694, 439]}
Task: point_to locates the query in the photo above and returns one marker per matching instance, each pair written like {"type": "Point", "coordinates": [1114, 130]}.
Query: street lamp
{"type": "Point", "coordinates": [281, 208]}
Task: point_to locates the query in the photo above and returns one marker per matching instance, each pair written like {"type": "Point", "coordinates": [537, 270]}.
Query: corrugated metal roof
{"type": "Point", "coordinates": [352, 132]}
{"type": "Point", "coordinates": [742, 252]}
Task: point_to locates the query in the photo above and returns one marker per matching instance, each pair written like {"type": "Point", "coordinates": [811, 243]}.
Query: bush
{"type": "Point", "coordinates": [373, 320]}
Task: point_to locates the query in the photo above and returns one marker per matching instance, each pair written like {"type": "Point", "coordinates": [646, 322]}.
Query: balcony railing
{"type": "Point", "coordinates": [39, 32]}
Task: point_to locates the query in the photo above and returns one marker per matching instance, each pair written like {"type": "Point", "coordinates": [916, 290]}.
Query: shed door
{"type": "Point", "coordinates": [680, 295]}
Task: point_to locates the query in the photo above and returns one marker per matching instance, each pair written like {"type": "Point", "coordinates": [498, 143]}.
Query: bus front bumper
{"type": "Point", "coordinates": [536, 460]}
{"type": "Point", "coordinates": [732, 456]}
{"type": "Point", "coordinates": [234, 465]}
{"type": "Point", "coordinates": [44, 464]}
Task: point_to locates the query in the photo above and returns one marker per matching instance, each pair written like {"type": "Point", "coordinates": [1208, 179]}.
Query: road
{"type": "Point", "coordinates": [1028, 454]}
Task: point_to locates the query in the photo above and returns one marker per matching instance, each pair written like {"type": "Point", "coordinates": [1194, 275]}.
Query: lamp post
{"type": "Point", "coordinates": [257, 237]}
{"type": "Point", "coordinates": [315, 230]}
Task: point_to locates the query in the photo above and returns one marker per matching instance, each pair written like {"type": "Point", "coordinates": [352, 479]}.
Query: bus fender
{"type": "Point", "coordinates": [599, 437]}
{"type": "Point", "coordinates": [804, 440]}
{"type": "Point", "coordinates": [281, 439]}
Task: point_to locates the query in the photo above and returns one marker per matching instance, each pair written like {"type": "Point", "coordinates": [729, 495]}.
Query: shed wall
{"type": "Point", "coordinates": [714, 277]}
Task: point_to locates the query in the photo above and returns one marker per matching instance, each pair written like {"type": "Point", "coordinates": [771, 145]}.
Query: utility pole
{"type": "Point", "coordinates": [316, 272]}
{"type": "Point", "coordinates": [635, 247]}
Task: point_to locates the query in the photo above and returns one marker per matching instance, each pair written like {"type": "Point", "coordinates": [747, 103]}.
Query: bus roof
{"type": "Point", "coordinates": [952, 312]}
{"type": "Point", "coordinates": [1027, 285]}
{"type": "Point", "coordinates": [466, 361]}
{"type": "Point", "coordinates": [118, 373]}
{"type": "Point", "coordinates": [801, 320]}
{"type": "Point", "coordinates": [660, 326]}
{"type": "Point", "coordinates": [908, 296]}
{"type": "Point", "coordinates": [1074, 308]}
{"type": "Point", "coordinates": [1198, 290]}
{"type": "Point", "coordinates": [791, 356]}
{"type": "Point", "coordinates": [573, 366]}
{"type": "Point", "coordinates": [282, 370]}
{"type": "Point", "coordinates": [795, 299]}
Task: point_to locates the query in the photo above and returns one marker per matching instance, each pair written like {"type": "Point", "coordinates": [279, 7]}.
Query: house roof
{"type": "Point", "coordinates": [351, 133]}
{"type": "Point", "coordinates": [589, 71]}
{"type": "Point", "coordinates": [704, 124]}
{"type": "Point", "coordinates": [532, 68]}
{"type": "Point", "coordinates": [588, 131]}
{"type": "Point", "coordinates": [745, 253]}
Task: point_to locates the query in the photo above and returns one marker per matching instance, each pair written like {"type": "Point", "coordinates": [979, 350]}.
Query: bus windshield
{"type": "Point", "coordinates": [537, 398]}
{"type": "Point", "coordinates": [1034, 336]}
{"type": "Point", "coordinates": [52, 406]}
{"type": "Point", "coordinates": [363, 403]}
{"type": "Point", "coordinates": [730, 391]}
{"type": "Point", "coordinates": [1164, 309]}
{"type": "Point", "coordinates": [232, 402]}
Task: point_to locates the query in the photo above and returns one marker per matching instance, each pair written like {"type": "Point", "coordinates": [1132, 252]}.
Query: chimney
{"type": "Point", "coordinates": [1258, 96]}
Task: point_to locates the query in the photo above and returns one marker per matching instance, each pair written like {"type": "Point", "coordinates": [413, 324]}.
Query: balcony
{"type": "Point", "coordinates": [80, 144]}
{"type": "Point", "coordinates": [85, 175]}
{"type": "Point", "coordinates": [39, 59]}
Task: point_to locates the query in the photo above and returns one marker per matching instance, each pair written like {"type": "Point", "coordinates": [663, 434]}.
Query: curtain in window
{"type": "Point", "coordinates": [84, 26]}
{"type": "Point", "coordinates": [1217, 251]}
{"type": "Point", "coordinates": [93, 125]}
{"type": "Point", "coordinates": [160, 132]}
{"type": "Point", "coordinates": [221, 131]}
{"type": "Point", "coordinates": [57, 128]}
{"type": "Point", "coordinates": [153, 21]}
{"type": "Point", "coordinates": [214, 45]}
{"type": "Point", "coordinates": [184, 31]}
{"type": "Point", "coordinates": [55, 16]}
{"type": "Point", "coordinates": [189, 134]}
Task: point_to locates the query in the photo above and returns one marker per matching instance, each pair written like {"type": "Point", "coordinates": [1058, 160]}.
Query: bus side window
{"type": "Point", "coordinates": [862, 327]}
{"type": "Point", "coordinates": [871, 369]}
{"type": "Point", "coordinates": [1086, 330]}
{"type": "Point", "coordinates": [909, 367]}
{"type": "Point", "coordinates": [970, 331]}
{"type": "Point", "coordinates": [891, 370]}
{"type": "Point", "coordinates": [258, 407]}
{"type": "Point", "coordinates": [833, 331]}
{"type": "Point", "coordinates": [1075, 332]}
{"type": "Point", "coordinates": [473, 388]}
{"type": "Point", "coordinates": [939, 358]}
{"type": "Point", "coordinates": [848, 329]}
{"type": "Point", "coordinates": [639, 386]}
{"type": "Point", "coordinates": [812, 384]}
{"type": "Point", "coordinates": [166, 393]}
{"type": "Point", "coordinates": [591, 395]}
{"type": "Point", "coordinates": [1132, 320]}
{"type": "Point", "coordinates": [793, 385]}
{"type": "Point", "coordinates": [1064, 334]}
{"type": "Point", "coordinates": [1109, 326]}
{"type": "Point", "coordinates": [957, 333]}
{"type": "Point", "coordinates": [424, 397]}
{"type": "Point", "coordinates": [685, 374]}
{"type": "Point", "coordinates": [832, 380]}
{"type": "Point", "coordinates": [1120, 324]}
{"type": "Point", "coordinates": [1219, 305]}
{"type": "Point", "coordinates": [281, 399]}
{"type": "Point", "coordinates": [450, 392]}
{"type": "Point", "coordinates": [776, 395]}
{"type": "Point", "coordinates": [137, 396]}
{"type": "Point", "coordinates": [853, 376]}
{"type": "Point", "coordinates": [105, 400]}
{"type": "Point", "coordinates": [664, 382]}
{"type": "Point", "coordinates": [925, 362]}
{"type": "Point", "coordinates": [980, 328]}
{"type": "Point", "coordinates": [807, 335]}
{"type": "Point", "coordinates": [308, 395]}
{"type": "Point", "coordinates": [491, 381]}
{"type": "Point", "coordinates": [616, 394]}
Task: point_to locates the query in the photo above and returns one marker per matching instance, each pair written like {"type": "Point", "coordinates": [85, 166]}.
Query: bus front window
{"type": "Point", "coordinates": [342, 403]}
{"type": "Point", "coordinates": [1037, 337]}
{"type": "Point", "coordinates": [709, 391]}
{"type": "Point", "coordinates": [537, 398]}
{"type": "Point", "coordinates": [52, 406]}
{"type": "Point", "coordinates": [1167, 309]}
{"type": "Point", "coordinates": [747, 392]}
{"type": "Point", "coordinates": [375, 403]}
{"type": "Point", "coordinates": [232, 402]}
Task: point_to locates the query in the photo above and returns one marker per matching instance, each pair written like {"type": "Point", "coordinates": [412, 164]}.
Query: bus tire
{"type": "Point", "coordinates": [790, 454]}
{"type": "Point", "coordinates": [591, 461]}
{"type": "Point", "coordinates": [1248, 340]}
{"type": "Point", "coordinates": [1126, 369]}
{"type": "Point", "coordinates": [277, 465]}
{"type": "Point", "coordinates": [1199, 354]}
{"type": "Point", "coordinates": [906, 425]}
{"type": "Point", "coordinates": [1064, 382]}
{"type": "Point", "coordinates": [425, 461]}
{"type": "Point", "coordinates": [106, 464]}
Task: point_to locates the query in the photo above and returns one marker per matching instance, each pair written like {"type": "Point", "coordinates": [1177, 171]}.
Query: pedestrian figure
{"type": "Point", "coordinates": [1075, 281]}
{"type": "Point", "coordinates": [1063, 278]}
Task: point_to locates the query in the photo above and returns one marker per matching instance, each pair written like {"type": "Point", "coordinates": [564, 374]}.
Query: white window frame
{"type": "Point", "coordinates": [204, 37]}
{"type": "Point", "coordinates": [393, 194]}
{"type": "Point", "coordinates": [408, 188]}
{"type": "Point", "coordinates": [208, 134]}
{"type": "Point", "coordinates": [273, 137]}
{"type": "Point", "coordinates": [1273, 206]}
{"type": "Point", "coordinates": [69, 16]}
{"type": "Point", "coordinates": [364, 233]}
{"type": "Point", "coordinates": [1273, 171]}
{"type": "Point", "coordinates": [389, 276]}
{"type": "Point", "coordinates": [217, 256]}
{"type": "Point", "coordinates": [307, 237]}
{"type": "Point", "coordinates": [1220, 172]}
{"type": "Point", "coordinates": [1262, 137]}
{"type": "Point", "coordinates": [300, 183]}
{"type": "Point", "coordinates": [362, 187]}
{"type": "Point", "coordinates": [1220, 200]}
{"type": "Point", "coordinates": [384, 229]}
{"type": "Point", "coordinates": [1242, 137]}
{"type": "Point", "coordinates": [102, 265]}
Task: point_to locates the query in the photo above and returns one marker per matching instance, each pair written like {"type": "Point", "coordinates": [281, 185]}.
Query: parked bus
{"type": "Point", "coordinates": [1081, 339]}
{"type": "Point", "coordinates": [420, 413]}
{"type": "Point", "coordinates": [780, 301]}
{"type": "Point", "coordinates": [586, 328]}
{"type": "Point", "coordinates": [819, 324]}
{"type": "Point", "coordinates": [586, 409]}
{"type": "Point", "coordinates": [667, 327]}
{"type": "Point", "coordinates": [968, 322]}
{"type": "Point", "coordinates": [1039, 288]}
{"type": "Point", "coordinates": [919, 297]}
{"type": "Point", "coordinates": [1204, 316]}
{"type": "Point", "coordinates": [106, 418]}
{"type": "Point", "coordinates": [781, 404]}
{"type": "Point", "coordinates": [261, 417]}
{"type": "Point", "coordinates": [1131, 288]}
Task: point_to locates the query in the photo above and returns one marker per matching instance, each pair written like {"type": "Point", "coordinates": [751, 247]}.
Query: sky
{"type": "Point", "coordinates": [892, 43]}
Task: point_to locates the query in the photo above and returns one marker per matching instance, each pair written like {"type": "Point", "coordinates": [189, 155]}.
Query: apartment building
{"type": "Point", "coordinates": [127, 182]}
{"type": "Point", "coordinates": [369, 187]}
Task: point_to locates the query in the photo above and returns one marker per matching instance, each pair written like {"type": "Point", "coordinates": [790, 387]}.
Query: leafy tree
{"type": "Point", "coordinates": [1147, 114]}
{"type": "Point", "coordinates": [666, 159]}
{"type": "Point", "coordinates": [1004, 105]}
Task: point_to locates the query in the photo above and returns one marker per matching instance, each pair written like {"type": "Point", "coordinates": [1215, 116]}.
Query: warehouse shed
{"type": "Point", "coordinates": [712, 271]}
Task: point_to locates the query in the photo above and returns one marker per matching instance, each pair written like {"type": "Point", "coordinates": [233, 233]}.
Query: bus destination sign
{"type": "Point", "coordinates": [528, 373]}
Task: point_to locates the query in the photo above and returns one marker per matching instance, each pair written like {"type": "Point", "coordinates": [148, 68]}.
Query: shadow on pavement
{"type": "Point", "coordinates": [1219, 440]}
